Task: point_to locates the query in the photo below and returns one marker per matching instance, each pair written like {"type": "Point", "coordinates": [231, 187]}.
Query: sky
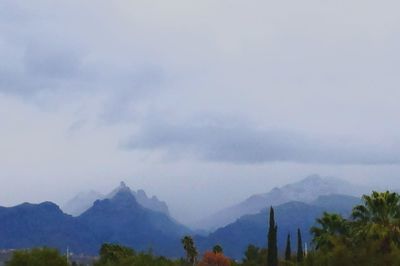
{"type": "Point", "coordinates": [202, 103]}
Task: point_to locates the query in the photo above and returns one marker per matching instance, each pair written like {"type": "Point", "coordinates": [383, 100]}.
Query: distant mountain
{"type": "Point", "coordinates": [305, 190]}
{"type": "Point", "coordinates": [32, 225]}
{"type": "Point", "coordinates": [120, 219]}
{"type": "Point", "coordinates": [84, 200]}
{"type": "Point", "coordinates": [81, 202]}
{"type": "Point", "coordinates": [252, 229]}
{"type": "Point", "coordinates": [152, 203]}
{"type": "Point", "coordinates": [337, 203]}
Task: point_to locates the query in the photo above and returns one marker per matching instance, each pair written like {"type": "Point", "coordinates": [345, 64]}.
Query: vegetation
{"type": "Point", "coordinates": [116, 255]}
{"type": "Point", "coordinates": [288, 251]}
{"type": "Point", "coordinates": [254, 256]}
{"type": "Point", "coordinates": [217, 249]}
{"type": "Point", "coordinates": [214, 259]}
{"type": "Point", "coordinates": [272, 240]}
{"type": "Point", "coordinates": [369, 237]}
{"type": "Point", "coordinates": [300, 252]}
{"type": "Point", "coordinates": [37, 257]}
{"type": "Point", "coordinates": [190, 249]}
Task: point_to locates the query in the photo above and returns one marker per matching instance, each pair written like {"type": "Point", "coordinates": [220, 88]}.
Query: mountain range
{"type": "Point", "coordinates": [123, 217]}
{"type": "Point", "coordinates": [119, 219]}
{"type": "Point", "coordinates": [306, 190]}
{"type": "Point", "coordinates": [252, 229]}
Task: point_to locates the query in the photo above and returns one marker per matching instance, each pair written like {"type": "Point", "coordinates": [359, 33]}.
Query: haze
{"type": "Point", "coordinates": [201, 103]}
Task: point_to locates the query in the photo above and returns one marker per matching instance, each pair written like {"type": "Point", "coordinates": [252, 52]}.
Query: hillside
{"type": "Point", "coordinates": [306, 190]}
{"type": "Point", "coordinates": [31, 225]}
{"type": "Point", "coordinates": [119, 220]}
{"type": "Point", "coordinates": [252, 229]}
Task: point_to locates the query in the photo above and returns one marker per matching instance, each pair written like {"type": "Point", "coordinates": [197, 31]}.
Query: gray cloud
{"type": "Point", "coordinates": [76, 77]}
{"type": "Point", "coordinates": [45, 52]}
{"type": "Point", "coordinates": [52, 61]}
{"type": "Point", "coordinates": [237, 142]}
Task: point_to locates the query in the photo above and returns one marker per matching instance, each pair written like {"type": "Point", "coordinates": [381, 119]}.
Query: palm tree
{"type": "Point", "coordinates": [381, 207]}
{"type": "Point", "coordinates": [189, 247]}
{"type": "Point", "coordinates": [330, 225]}
{"type": "Point", "coordinates": [379, 218]}
{"type": "Point", "coordinates": [217, 249]}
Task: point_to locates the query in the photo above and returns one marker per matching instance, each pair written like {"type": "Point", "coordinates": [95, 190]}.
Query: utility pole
{"type": "Point", "coordinates": [305, 249]}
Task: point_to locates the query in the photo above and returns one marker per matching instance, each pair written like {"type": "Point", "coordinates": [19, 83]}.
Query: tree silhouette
{"type": "Point", "coordinates": [329, 225]}
{"type": "Point", "coordinates": [288, 251]}
{"type": "Point", "coordinates": [272, 257]}
{"type": "Point", "coordinates": [190, 249]}
{"type": "Point", "coordinates": [378, 218]}
{"type": "Point", "coordinates": [300, 253]}
{"type": "Point", "coordinates": [217, 249]}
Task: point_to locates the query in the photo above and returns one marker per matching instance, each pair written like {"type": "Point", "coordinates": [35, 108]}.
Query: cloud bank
{"type": "Point", "coordinates": [239, 142]}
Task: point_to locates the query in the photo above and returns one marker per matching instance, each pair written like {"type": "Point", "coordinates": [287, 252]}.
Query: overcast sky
{"type": "Point", "coordinates": [202, 103]}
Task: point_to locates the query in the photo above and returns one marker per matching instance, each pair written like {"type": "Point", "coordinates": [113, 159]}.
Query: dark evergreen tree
{"type": "Point", "coordinates": [288, 251]}
{"type": "Point", "coordinates": [300, 253]}
{"type": "Point", "coordinates": [272, 257]}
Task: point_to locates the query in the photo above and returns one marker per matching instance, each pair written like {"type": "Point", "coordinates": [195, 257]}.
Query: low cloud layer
{"type": "Point", "coordinates": [218, 141]}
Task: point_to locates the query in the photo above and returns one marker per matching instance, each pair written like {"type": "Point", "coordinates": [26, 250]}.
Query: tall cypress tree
{"type": "Point", "coordinates": [300, 253]}
{"type": "Point", "coordinates": [272, 256]}
{"type": "Point", "coordinates": [288, 251]}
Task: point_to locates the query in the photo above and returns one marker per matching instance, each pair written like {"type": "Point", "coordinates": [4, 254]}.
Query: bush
{"type": "Point", "coordinates": [37, 257]}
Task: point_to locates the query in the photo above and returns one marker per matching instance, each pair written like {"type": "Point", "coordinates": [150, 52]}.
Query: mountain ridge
{"type": "Point", "coordinates": [84, 200]}
{"type": "Point", "coordinates": [120, 219]}
{"type": "Point", "coordinates": [305, 190]}
{"type": "Point", "coordinates": [252, 228]}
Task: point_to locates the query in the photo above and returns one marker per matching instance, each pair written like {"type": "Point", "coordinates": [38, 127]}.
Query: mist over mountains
{"type": "Point", "coordinates": [85, 200]}
{"type": "Point", "coordinates": [306, 190]}
{"type": "Point", "coordinates": [252, 228]}
{"type": "Point", "coordinates": [131, 218]}
{"type": "Point", "coordinates": [119, 219]}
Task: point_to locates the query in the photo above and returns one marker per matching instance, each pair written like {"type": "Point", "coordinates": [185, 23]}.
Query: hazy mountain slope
{"type": "Point", "coordinates": [83, 201]}
{"type": "Point", "coordinates": [252, 229]}
{"type": "Point", "coordinates": [152, 203]}
{"type": "Point", "coordinates": [337, 203]}
{"type": "Point", "coordinates": [119, 220]}
{"type": "Point", "coordinates": [31, 225]}
{"type": "Point", "coordinates": [305, 190]}
{"type": "Point", "coordinates": [122, 220]}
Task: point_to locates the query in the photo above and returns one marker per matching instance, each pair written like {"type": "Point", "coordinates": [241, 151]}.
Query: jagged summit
{"type": "Point", "coordinates": [121, 199]}
{"type": "Point", "coordinates": [84, 201]}
{"type": "Point", "coordinates": [122, 187]}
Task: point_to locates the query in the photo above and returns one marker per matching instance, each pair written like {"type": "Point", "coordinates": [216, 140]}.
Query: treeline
{"type": "Point", "coordinates": [369, 237]}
